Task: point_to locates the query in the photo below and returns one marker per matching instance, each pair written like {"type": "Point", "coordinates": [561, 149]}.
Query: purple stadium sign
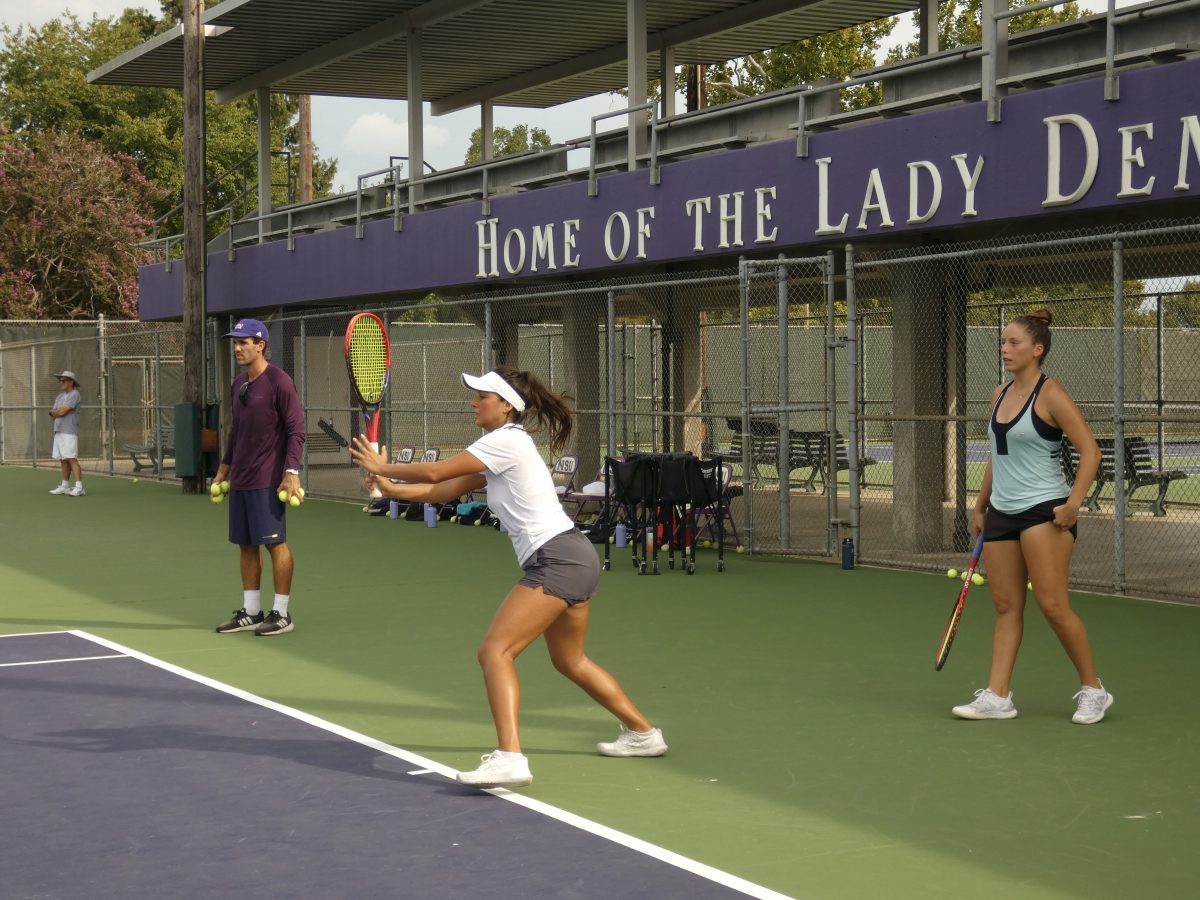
{"type": "Point", "coordinates": [1058, 150]}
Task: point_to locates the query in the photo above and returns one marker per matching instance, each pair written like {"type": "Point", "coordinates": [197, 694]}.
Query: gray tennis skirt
{"type": "Point", "coordinates": [566, 566]}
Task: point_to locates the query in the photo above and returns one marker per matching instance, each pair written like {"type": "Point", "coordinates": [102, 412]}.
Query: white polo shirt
{"type": "Point", "coordinates": [520, 489]}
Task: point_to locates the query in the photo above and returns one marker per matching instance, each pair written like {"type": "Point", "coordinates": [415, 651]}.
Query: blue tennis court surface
{"type": "Point", "coordinates": [126, 777]}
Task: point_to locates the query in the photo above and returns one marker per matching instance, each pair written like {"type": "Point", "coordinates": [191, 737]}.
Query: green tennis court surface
{"type": "Point", "coordinates": [812, 748]}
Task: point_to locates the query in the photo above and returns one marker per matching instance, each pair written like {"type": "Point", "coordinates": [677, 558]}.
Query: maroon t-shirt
{"type": "Point", "coordinates": [267, 434]}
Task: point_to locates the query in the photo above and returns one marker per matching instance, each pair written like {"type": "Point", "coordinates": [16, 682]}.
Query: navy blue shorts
{"type": "Point", "coordinates": [1002, 526]}
{"type": "Point", "coordinates": [566, 566]}
{"type": "Point", "coordinates": [256, 518]}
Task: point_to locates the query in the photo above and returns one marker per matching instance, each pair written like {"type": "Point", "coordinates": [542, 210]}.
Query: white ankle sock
{"type": "Point", "coordinates": [510, 754]}
{"type": "Point", "coordinates": [252, 602]}
{"type": "Point", "coordinates": [281, 603]}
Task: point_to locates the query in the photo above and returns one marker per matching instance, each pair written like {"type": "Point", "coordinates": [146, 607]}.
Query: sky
{"type": "Point", "coordinates": [364, 134]}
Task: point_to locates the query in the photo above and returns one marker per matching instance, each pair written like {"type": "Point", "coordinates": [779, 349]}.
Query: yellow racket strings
{"type": "Point", "coordinates": [368, 359]}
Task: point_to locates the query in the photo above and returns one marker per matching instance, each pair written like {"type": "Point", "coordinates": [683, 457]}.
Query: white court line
{"type": "Point", "coordinates": [35, 633]}
{"type": "Point", "coordinates": [46, 662]}
{"type": "Point", "coordinates": [625, 840]}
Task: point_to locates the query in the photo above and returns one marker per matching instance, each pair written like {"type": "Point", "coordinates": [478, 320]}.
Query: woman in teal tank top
{"type": "Point", "coordinates": [1028, 515]}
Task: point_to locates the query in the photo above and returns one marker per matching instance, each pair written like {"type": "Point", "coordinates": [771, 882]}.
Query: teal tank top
{"type": "Point", "coordinates": [1026, 468]}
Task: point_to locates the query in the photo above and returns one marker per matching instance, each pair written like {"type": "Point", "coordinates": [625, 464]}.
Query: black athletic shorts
{"type": "Point", "coordinates": [1002, 526]}
{"type": "Point", "coordinates": [256, 518]}
{"type": "Point", "coordinates": [566, 566]}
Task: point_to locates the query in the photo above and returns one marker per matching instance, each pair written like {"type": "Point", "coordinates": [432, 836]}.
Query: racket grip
{"type": "Point", "coordinates": [375, 493]}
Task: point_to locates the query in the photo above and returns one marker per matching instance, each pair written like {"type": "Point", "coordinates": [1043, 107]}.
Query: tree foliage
{"type": "Point", "coordinates": [48, 107]}
{"type": "Point", "coordinates": [67, 252]}
{"type": "Point", "coordinates": [834, 56]}
{"type": "Point", "coordinates": [506, 141]}
{"type": "Point", "coordinates": [961, 23]}
{"type": "Point", "coordinates": [43, 72]}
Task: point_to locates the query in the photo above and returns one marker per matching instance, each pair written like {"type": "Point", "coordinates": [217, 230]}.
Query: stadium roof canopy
{"type": "Point", "coordinates": [531, 53]}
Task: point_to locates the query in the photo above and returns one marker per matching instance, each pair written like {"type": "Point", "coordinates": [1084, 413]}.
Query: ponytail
{"type": "Point", "coordinates": [542, 406]}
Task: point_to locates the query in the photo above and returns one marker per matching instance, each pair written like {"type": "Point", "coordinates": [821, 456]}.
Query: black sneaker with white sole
{"type": "Point", "coordinates": [275, 623]}
{"type": "Point", "coordinates": [241, 621]}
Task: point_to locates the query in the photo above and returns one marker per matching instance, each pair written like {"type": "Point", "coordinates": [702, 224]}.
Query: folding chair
{"type": "Point", "coordinates": [587, 499]}
{"type": "Point", "coordinates": [563, 473]}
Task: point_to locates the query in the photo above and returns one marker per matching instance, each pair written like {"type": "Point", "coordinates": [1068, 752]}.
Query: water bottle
{"type": "Point", "coordinates": [622, 536]}
{"type": "Point", "coordinates": [393, 509]}
{"type": "Point", "coordinates": [431, 516]}
{"type": "Point", "coordinates": [847, 553]}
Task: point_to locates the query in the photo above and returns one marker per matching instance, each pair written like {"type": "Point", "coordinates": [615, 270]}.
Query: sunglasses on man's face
{"type": "Point", "coordinates": [242, 391]}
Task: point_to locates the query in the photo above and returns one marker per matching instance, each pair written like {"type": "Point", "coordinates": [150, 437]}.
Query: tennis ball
{"type": "Point", "coordinates": [477, 522]}
{"type": "Point", "coordinates": [301, 490]}
{"type": "Point", "coordinates": [295, 500]}
{"type": "Point", "coordinates": [224, 487]}
{"type": "Point", "coordinates": [217, 498]}
{"type": "Point", "coordinates": [283, 496]}
{"type": "Point", "coordinates": [977, 579]}
{"type": "Point", "coordinates": [1029, 586]}
{"type": "Point", "coordinates": [952, 573]}
{"type": "Point", "coordinates": [741, 549]}
{"type": "Point", "coordinates": [214, 489]}
{"type": "Point", "coordinates": [453, 519]}
{"type": "Point", "coordinates": [135, 481]}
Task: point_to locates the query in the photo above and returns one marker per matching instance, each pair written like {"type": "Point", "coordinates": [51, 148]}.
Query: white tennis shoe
{"type": "Point", "coordinates": [635, 743]}
{"type": "Point", "coordinates": [497, 770]}
{"type": "Point", "coordinates": [1093, 704]}
{"type": "Point", "coordinates": [63, 488]}
{"type": "Point", "coordinates": [987, 705]}
{"type": "Point", "coordinates": [76, 491]}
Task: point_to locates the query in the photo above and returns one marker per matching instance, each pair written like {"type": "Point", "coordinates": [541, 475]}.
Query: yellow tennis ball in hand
{"type": "Point", "coordinates": [295, 500]}
{"type": "Point", "coordinates": [224, 487]}
{"type": "Point", "coordinates": [214, 489]}
{"type": "Point", "coordinates": [977, 579]}
{"type": "Point", "coordinates": [283, 496]}
{"type": "Point", "coordinates": [217, 498]}
{"type": "Point", "coordinates": [301, 492]}
{"type": "Point", "coordinates": [952, 573]}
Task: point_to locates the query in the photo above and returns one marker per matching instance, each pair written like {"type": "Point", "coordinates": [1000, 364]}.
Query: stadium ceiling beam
{"type": "Point", "coordinates": [372, 36]}
{"type": "Point", "coordinates": [614, 53]}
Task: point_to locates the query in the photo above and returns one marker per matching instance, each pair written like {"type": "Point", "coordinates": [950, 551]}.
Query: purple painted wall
{"type": "Point", "coordinates": [868, 170]}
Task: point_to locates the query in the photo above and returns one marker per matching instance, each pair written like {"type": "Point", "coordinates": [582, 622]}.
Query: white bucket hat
{"type": "Point", "coordinates": [67, 373]}
{"type": "Point", "coordinates": [493, 383]}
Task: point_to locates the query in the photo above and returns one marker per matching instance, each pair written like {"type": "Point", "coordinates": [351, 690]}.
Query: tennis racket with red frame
{"type": "Point", "coordinates": [943, 649]}
{"type": "Point", "coordinates": [368, 362]}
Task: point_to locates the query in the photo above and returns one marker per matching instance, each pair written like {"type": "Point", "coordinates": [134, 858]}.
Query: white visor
{"type": "Point", "coordinates": [492, 383]}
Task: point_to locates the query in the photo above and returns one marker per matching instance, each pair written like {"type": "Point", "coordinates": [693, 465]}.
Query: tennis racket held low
{"type": "Point", "coordinates": [943, 649]}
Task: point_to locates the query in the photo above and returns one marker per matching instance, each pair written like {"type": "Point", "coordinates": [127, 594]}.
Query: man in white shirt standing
{"type": "Point", "coordinates": [65, 413]}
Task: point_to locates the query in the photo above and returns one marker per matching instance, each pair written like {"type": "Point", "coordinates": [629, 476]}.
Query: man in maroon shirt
{"type": "Point", "coordinates": [262, 458]}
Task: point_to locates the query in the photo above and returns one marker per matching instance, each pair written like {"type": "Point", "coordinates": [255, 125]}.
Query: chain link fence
{"type": "Point", "coordinates": [848, 392]}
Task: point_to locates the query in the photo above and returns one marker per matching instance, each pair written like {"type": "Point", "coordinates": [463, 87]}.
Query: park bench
{"type": "Point", "coordinates": [154, 453]}
{"type": "Point", "coordinates": [1140, 470]}
{"type": "Point", "coordinates": [806, 450]}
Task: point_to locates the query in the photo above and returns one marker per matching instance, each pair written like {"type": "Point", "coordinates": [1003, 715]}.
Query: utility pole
{"type": "Point", "coordinates": [194, 223]}
{"type": "Point", "coordinates": [306, 149]}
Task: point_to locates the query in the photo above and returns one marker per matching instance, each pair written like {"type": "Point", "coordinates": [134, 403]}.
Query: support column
{"type": "Point", "coordinates": [416, 114]}
{"type": "Point", "coordinates": [635, 39]}
{"type": "Point", "coordinates": [486, 130]}
{"type": "Point", "coordinates": [506, 343]}
{"type": "Point", "coordinates": [918, 367]}
{"type": "Point", "coordinates": [667, 82]}
{"type": "Point", "coordinates": [263, 96]}
{"type": "Point", "coordinates": [581, 364]}
{"type": "Point", "coordinates": [927, 27]}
